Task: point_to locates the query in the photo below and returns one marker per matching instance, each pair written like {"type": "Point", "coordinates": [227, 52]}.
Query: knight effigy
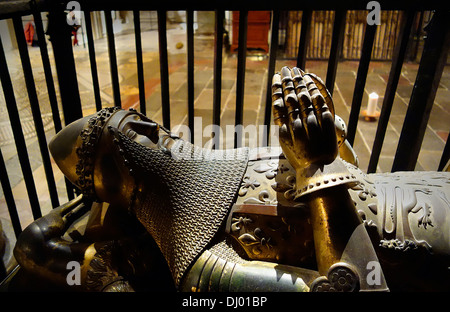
{"type": "Point", "coordinates": [156, 212]}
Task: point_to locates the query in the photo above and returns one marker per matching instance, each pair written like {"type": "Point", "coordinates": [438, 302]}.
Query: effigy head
{"type": "Point", "coordinates": [86, 154]}
{"type": "Point", "coordinates": [119, 157]}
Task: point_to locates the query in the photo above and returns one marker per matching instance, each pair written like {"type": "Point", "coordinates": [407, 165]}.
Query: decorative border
{"type": "Point", "coordinates": [86, 152]}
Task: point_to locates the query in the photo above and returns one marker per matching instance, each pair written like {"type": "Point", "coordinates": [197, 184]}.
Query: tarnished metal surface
{"type": "Point", "coordinates": [408, 210]}
{"type": "Point", "coordinates": [183, 202]}
{"type": "Point", "coordinates": [90, 136]}
{"type": "Point", "coordinates": [221, 269]}
{"type": "Point", "coordinates": [234, 220]}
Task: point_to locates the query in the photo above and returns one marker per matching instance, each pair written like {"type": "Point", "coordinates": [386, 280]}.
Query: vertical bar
{"type": "Point", "coordinates": [82, 35]}
{"type": "Point", "coordinates": [139, 62]}
{"type": "Point", "coordinates": [190, 70]}
{"type": "Point", "coordinates": [270, 72]}
{"type": "Point", "coordinates": [335, 49]}
{"type": "Point", "coordinates": [164, 67]}
{"type": "Point", "coordinates": [50, 87]}
{"type": "Point", "coordinates": [218, 51]}
{"type": "Point", "coordinates": [9, 198]}
{"type": "Point", "coordinates": [35, 110]}
{"type": "Point", "coordinates": [60, 37]}
{"type": "Point", "coordinates": [47, 71]}
{"type": "Point", "coordinates": [112, 59]}
{"type": "Point", "coordinates": [240, 80]}
{"type": "Point", "coordinates": [389, 96]}
{"type": "Point", "coordinates": [19, 139]}
{"type": "Point", "coordinates": [93, 61]}
{"type": "Point", "coordinates": [417, 36]}
{"type": "Point", "coordinates": [304, 38]}
{"type": "Point", "coordinates": [445, 155]}
{"type": "Point", "coordinates": [431, 66]}
{"type": "Point", "coordinates": [361, 77]}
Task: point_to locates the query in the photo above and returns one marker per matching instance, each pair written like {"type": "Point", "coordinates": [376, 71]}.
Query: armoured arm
{"type": "Point", "coordinates": [220, 269]}
{"type": "Point", "coordinates": [304, 111]}
{"type": "Point", "coordinates": [43, 249]}
{"type": "Point", "coordinates": [40, 248]}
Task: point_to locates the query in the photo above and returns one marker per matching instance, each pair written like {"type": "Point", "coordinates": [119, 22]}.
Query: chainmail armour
{"type": "Point", "coordinates": [183, 196]}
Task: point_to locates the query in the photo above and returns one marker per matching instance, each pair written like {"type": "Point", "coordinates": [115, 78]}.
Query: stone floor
{"type": "Point", "coordinates": [254, 103]}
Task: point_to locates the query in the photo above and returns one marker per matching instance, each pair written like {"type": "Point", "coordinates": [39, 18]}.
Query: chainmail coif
{"type": "Point", "coordinates": [182, 201]}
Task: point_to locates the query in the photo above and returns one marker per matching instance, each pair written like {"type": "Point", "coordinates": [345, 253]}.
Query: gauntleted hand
{"type": "Point", "coordinates": [304, 111]}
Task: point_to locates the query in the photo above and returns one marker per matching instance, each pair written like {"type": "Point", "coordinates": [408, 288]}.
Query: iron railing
{"type": "Point", "coordinates": [428, 76]}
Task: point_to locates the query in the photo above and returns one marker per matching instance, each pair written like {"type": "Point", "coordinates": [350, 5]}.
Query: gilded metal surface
{"type": "Point", "coordinates": [182, 201]}
{"type": "Point", "coordinates": [299, 218]}
{"type": "Point", "coordinates": [221, 269]}
{"type": "Point", "coordinates": [101, 274]}
{"type": "Point", "coordinates": [268, 232]}
{"type": "Point", "coordinates": [346, 152]}
{"type": "Point", "coordinates": [262, 220]}
{"type": "Point", "coordinates": [304, 111]}
{"type": "Point", "coordinates": [408, 210]}
{"type": "Point", "coordinates": [341, 277]}
{"type": "Point", "coordinates": [45, 236]}
{"type": "Point", "coordinates": [321, 177]}
{"type": "Point", "coordinates": [90, 136]}
{"type": "Point", "coordinates": [265, 178]}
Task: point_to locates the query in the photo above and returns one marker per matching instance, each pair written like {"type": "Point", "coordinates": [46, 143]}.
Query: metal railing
{"type": "Point", "coordinates": [428, 76]}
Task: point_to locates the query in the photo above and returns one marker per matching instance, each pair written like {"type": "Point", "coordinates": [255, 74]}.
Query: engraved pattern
{"type": "Point", "coordinates": [341, 278]}
{"type": "Point", "coordinates": [406, 210]}
{"type": "Point", "coordinates": [85, 153]}
{"type": "Point", "coordinates": [101, 274]}
{"type": "Point", "coordinates": [287, 188]}
{"type": "Point", "coordinates": [270, 169]}
{"type": "Point", "coordinates": [263, 198]}
{"type": "Point", "coordinates": [247, 184]}
{"type": "Point", "coordinates": [258, 237]}
{"type": "Point", "coordinates": [239, 222]}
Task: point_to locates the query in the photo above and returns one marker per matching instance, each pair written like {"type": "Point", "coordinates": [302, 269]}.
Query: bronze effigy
{"type": "Point", "coordinates": [300, 217]}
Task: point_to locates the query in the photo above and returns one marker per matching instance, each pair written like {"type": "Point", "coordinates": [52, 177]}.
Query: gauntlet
{"type": "Point", "coordinates": [310, 136]}
{"type": "Point", "coordinates": [304, 111]}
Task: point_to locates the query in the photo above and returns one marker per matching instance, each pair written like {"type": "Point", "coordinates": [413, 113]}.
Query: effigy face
{"type": "Point", "coordinates": [232, 220]}
{"type": "Point", "coordinates": [85, 151]}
